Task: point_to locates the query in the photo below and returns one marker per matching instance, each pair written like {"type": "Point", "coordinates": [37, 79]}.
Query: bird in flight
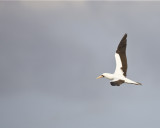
{"type": "Point", "coordinates": [119, 76]}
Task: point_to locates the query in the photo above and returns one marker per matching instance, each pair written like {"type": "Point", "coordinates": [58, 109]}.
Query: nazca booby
{"type": "Point", "coordinates": [119, 76]}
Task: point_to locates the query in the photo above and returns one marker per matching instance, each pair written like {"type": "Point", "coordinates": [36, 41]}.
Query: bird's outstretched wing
{"type": "Point", "coordinates": [120, 56]}
{"type": "Point", "coordinates": [117, 82]}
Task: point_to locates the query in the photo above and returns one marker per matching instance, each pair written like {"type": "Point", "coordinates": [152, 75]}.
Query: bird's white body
{"type": "Point", "coordinates": [115, 77]}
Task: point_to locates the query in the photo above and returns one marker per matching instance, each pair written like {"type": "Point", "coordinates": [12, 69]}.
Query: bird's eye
{"type": "Point", "coordinates": [102, 75]}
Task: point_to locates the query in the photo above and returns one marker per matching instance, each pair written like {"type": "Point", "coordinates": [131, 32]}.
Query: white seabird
{"type": "Point", "coordinates": [119, 76]}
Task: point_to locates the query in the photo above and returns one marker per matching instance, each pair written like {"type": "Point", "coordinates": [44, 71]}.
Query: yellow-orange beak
{"type": "Point", "coordinates": [99, 77]}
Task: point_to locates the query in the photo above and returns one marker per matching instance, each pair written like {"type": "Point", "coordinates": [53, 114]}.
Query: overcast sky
{"type": "Point", "coordinates": [52, 52]}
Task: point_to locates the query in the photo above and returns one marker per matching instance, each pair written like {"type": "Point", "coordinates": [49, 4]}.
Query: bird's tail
{"type": "Point", "coordinates": [137, 83]}
{"type": "Point", "coordinates": [132, 82]}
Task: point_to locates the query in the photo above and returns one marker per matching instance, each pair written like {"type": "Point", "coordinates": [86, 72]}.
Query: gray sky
{"type": "Point", "coordinates": [52, 52]}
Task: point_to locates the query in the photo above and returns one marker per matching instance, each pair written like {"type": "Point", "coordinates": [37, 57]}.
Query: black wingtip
{"type": "Point", "coordinates": [125, 35]}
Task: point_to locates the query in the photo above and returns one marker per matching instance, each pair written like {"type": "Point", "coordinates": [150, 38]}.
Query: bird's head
{"type": "Point", "coordinates": [106, 75]}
